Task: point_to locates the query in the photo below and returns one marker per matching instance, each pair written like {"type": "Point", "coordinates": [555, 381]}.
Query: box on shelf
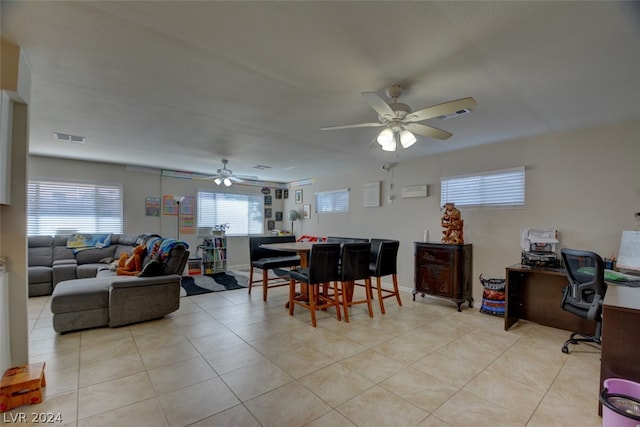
{"type": "Point", "coordinates": [194, 266]}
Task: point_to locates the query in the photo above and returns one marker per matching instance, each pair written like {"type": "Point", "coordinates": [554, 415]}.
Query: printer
{"type": "Point", "coordinates": [539, 247]}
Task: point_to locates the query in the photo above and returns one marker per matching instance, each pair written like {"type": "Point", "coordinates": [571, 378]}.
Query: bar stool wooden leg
{"type": "Point", "coordinates": [345, 303]}
{"type": "Point", "coordinates": [312, 303]}
{"type": "Point", "coordinates": [367, 288]}
{"type": "Point", "coordinates": [265, 281]}
{"type": "Point", "coordinates": [292, 296]}
{"type": "Point", "coordinates": [396, 290]}
{"type": "Point", "coordinates": [380, 298]}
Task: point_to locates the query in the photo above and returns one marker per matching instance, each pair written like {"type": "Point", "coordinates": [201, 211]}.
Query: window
{"type": "Point", "coordinates": [59, 207]}
{"type": "Point", "coordinates": [503, 188]}
{"type": "Point", "coordinates": [244, 213]}
{"type": "Point", "coordinates": [333, 201]}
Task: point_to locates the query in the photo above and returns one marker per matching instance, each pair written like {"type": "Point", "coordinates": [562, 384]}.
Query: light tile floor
{"type": "Point", "coordinates": [228, 359]}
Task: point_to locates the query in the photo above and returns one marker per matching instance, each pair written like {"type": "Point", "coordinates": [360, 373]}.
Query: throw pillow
{"type": "Point", "coordinates": [152, 268]}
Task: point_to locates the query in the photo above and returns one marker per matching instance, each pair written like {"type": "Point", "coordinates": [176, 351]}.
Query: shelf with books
{"type": "Point", "coordinates": [214, 255]}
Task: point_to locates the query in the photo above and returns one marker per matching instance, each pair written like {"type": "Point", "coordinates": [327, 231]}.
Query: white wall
{"type": "Point", "coordinates": [584, 183]}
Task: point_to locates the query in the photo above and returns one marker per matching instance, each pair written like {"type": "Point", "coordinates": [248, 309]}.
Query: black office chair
{"type": "Point", "coordinates": [354, 265]}
{"type": "Point", "coordinates": [383, 262]}
{"type": "Point", "coordinates": [585, 292]}
{"type": "Point", "coordinates": [323, 270]}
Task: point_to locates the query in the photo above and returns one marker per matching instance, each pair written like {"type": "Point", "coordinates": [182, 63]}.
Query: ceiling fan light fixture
{"type": "Point", "coordinates": [385, 137]}
{"type": "Point", "coordinates": [407, 139]}
{"type": "Point", "coordinates": [227, 182]}
{"type": "Point", "coordinates": [218, 181]}
{"type": "Point", "coordinates": [391, 146]}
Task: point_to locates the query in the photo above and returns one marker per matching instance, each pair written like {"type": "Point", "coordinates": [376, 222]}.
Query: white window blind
{"type": "Point", "coordinates": [244, 213]}
{"type": "Point", "coordinates": [58, 207]}
{"type": "Point", "coordinates": [502, 188]}
{"type": "Point", "coordinates": [332, 201]}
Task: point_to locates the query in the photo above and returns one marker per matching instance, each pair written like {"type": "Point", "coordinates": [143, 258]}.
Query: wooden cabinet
{"type": "Point", "coordinates": [444, 271]}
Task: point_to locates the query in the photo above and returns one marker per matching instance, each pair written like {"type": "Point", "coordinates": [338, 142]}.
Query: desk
{"type": "Point", "coordinates": [534, 293]}
{"type": "Point", "coordinates": [302, 249]}
{"type": "Point", "coordinates": [620, 337]}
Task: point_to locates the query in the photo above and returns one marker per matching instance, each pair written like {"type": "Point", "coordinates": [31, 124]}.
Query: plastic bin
{"type": "Point", "coordinates": [620, 403]}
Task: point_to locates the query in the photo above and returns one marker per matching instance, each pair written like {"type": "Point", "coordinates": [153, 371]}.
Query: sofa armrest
{"type": "Point", "coordinates": [137, 299]}
{"type": "Point", "coordinates": [64, 271]}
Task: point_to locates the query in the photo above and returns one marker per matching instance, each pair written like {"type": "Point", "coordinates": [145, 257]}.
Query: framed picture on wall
{"type": "Point", "coordinates": [279, 216]}
{"type": "Point", "coordinates": [278, 193]}
{"type": "Point", "coordinates": [267, 200]}
{"type": "Point", "coordinates": [271, 225]}
{"type": "Point", "coordinates": [306, 212]}
{"type": "Point", "coordinates": [298, 196]}
{"type": "Point", "coordinates": [267, 212]}
{"type": "Point", "coordinates": [152, 206]}
{"type": "Point", "coordinates": [285, 193]}
{"type": "Point", "coordinates": [169, 205]}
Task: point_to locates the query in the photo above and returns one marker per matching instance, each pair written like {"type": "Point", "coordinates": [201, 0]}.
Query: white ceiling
{"type": "Point", "coordinates": [180, 85]}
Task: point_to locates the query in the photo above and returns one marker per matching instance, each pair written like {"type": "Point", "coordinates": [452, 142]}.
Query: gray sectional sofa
{"type": "Point", "coordinates": [87, 294]}
{"type": "Point", "coordinates": [51, 262]}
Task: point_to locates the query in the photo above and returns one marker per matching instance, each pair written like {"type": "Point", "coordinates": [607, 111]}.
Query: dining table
{"type": "Point", "coordinates": [300, 248]}
{"type": "Point", "coordinates": [303, 249]}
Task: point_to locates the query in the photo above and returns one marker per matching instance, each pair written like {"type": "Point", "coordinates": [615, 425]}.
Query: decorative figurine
{"type": "Point", "coordinates": [452, 223]}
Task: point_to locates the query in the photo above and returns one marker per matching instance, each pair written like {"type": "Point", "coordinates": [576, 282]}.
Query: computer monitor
{"type": "Point", "coordinates": [629, 254]}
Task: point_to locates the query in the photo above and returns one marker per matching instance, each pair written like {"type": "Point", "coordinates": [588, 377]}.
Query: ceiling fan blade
{"type": "Point", "coordinates": [360, 125]}
{"type": "Point", "coordinates": [206, 177]}
{"type": "Point", "coordinates": [378, 104]}
{"type": "Point", "coordinates": [245, 177]}
{"type": "Point", "coordinates": [428, 131]}
{"type": "Point", "coordinates": [441, 109]}
{"type": "Point", "coordinates": [374, 142]}
{"type": "Point", "coordinates": [235, 179]}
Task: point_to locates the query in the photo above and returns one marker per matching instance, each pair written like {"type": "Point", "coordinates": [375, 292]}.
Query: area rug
{"type": "Point", "coordinates": [202, 284]}
{"type": "Point", "coordinates": [236, 279]}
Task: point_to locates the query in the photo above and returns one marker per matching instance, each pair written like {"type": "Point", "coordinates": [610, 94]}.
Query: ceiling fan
{"type": "Point", "coordinates": [225, 176]}
{"type": "Point", "coordinates": [400, 122]}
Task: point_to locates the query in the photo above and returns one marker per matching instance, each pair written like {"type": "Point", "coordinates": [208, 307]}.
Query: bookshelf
{"type": "Point", "coordinates": [214, 254]}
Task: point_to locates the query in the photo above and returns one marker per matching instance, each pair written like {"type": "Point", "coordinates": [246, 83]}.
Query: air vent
{"type": "Point", "coordinates": [261, 167]}
{"type": "Point", "coordinates": [69, 138]}
{"type": "Point", "coordinates": [455, 114]}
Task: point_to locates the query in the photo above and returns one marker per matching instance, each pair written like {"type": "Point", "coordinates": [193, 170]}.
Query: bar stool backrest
{"type": "Point", "coordinates": [355, 261]}
{"type": "Point", "coordinates": [324, 259]}
{"type": "Point", "coordinates": [386, 257]}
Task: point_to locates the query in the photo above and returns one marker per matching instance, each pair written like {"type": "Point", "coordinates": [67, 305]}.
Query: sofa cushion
{"type": "Point", "coordinates": [40, 250]}
{"type": "Point", "coordinates": [60, 249]}
{"type": "Point", "coordinates": [40, 274]}
{"type": "Point", "coordinates": [90, 270]}
{"type": "Point", "coordinates": [80, 294]}
{"type": "Point", "coordinates": [89, 256]}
